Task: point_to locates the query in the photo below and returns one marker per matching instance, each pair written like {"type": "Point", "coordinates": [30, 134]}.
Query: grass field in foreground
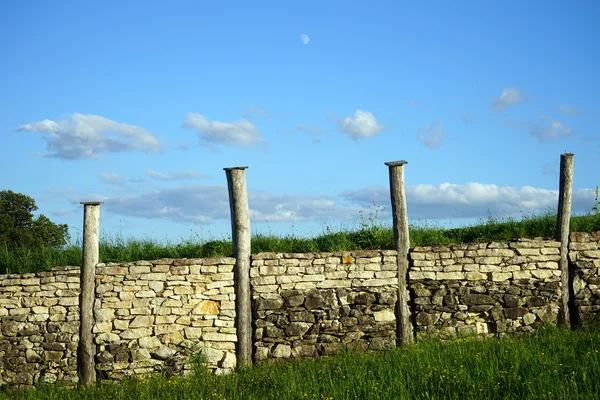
{"type": "Point", "coordinates": [552, 364]}
{"type": "Point", "coordinates": [370, 234]}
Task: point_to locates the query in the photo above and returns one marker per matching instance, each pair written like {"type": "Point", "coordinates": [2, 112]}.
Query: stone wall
{"type": "Point", "coordinates": [151, 316]}
{"type": "Point", "coordinates": [313, 304]}
{"type": "Point", "coordinates": [584, 257]}
{"type": "Point", "coordinates": [39, 327]}
{"type": "Point", "coordinates": [488, 288]}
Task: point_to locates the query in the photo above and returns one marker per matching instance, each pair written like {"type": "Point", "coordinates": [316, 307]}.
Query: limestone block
{"type": "Point", "coordinates": [135, 333]}
{"type": "Point", "coordinates": [282, 351]}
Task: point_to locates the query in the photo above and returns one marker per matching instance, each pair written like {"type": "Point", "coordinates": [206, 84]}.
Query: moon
{"type": "Point", "coordinates": [305, 39]}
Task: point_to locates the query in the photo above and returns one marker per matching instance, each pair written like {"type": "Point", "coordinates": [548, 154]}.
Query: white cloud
{"type": "Point", "coordinates": [362, 125]}
{"type": "Point", "coordinates": [175, 176]}
{"type": "Point", "coordinates": [304, 38]}
{"type": "Point", "coordinates": [112, 178]}
{"type": "Point", "coordinates": [206, 203]}
{"type": "Point", "coordinates": [252, 111]}
{"type": "Point", "coordinates": [472, 200]}
{"type": "Point", "coordinates": [313, 131]}
{"type": "Point", "coordinates": [88, 136]}
{"type": "Point", "coordinates": [431, 135]}
{"type": "Point", "coordinates": [508, 97]}
{"type": "Point", "coordinates": [569, 110]}
{"type": "Point", "coordinates": [544, 132]}
{"type": "Point", "coordinates": [240, 133]}
{"type": "Point", "coordinates": [63, 213]}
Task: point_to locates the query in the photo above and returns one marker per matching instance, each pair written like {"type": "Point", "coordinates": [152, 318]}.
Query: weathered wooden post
{"type": "Point", "coordinates": [563, 221]}
{"type": "Point", "coordinates": [240, 231]}
{"type": "Point", "coordinates": [86, 351]}
{"type": "Point", "coordinates": [401, 242]}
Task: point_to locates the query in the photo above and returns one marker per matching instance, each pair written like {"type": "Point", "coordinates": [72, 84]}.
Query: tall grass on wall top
{"type": "Point", "coordinates": [370, 234]}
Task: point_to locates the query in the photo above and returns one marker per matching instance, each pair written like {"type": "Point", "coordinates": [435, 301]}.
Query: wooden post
{"type": "Point", "coordinates": [240, 231]}
{"type": "Point", "coordinates": [86, 350]}
{"type": "Point", "coordinates": [401, 242]}
{"type": "Point", "coordinates": [563, 221]}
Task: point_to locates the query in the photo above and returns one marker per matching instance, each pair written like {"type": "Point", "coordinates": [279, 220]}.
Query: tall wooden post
{"type": "Point", "coordinates": [402, 243]}
{"type": "Point", "coordinates": [240, 231]}
{"type": "Point", "coordinates": [563, 221]}
{"type": "Point", "coordinates": [86, 350]}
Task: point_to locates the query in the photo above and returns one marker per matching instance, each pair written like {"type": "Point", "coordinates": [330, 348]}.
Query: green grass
{"type": "Point", "coordinates": [552, 363]}
{"type": "Point", "coordinates": [370, 234]}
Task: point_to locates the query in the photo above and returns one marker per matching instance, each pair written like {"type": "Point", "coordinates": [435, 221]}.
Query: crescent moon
{"type": "Point", "coordinates": [305, 39]}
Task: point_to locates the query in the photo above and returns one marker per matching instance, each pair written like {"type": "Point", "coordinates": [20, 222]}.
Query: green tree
{"type": "Point", "coordinates": [18, 228]}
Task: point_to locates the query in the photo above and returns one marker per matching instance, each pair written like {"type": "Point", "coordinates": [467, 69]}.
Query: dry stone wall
{"type": "Point", "coordinates": [584, 257]}
{"type": "Point", "coordinates": [487, 288]}
{"type": "Point", "coordinates": [152, 316]}
{"type": "Point", "coordinates": [313, 304]}
{"type": "Point", "coordinates": [39, 327]}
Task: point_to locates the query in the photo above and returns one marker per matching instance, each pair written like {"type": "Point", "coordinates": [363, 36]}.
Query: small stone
{"type": "Point", "coordinates": [384, 316]}
{"type": "Point", "coordinates": [107, 337]}
{"type": "Point", "coordinates": [206, 307]}
{"type": "Point", "coordinates": [104, 357]}
{"type": "Point", "coordinates": [141, 321]}
{"type": "Point", "coordinates": [229, 361]}
{"type": "Point", "coordinates": [136, 333]}
{"type": "Point", "coordinates": [149, 342]}
{"type": "Point", "coordinates": [514, 313]}
{"type": "Point", "coordinates": [528, 319]}
{"type": "Point", "coordinates": [295, 329]}
{"type": "Point", "coordinates": [54, 356]}
{"type": "Point", "coordinates": [140, 355]}
{"type": "Point", "coordinates": [282, 351]}
{"type": "Point", "coordinates": [163, 353]}
{"type": "Point", "coordinates": [32, 357]}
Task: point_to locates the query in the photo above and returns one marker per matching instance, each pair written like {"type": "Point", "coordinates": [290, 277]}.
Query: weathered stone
{"type": "Point", "coordinates": [140, 355]}
{"type": "Point", "coordinates": [282, 351]}
{"type": "Point", "coordinates": [384, 316]}
{"type": "Point", "coordinates": [53, 356]}
{"type": "Point", "coordinates": [480, 308]}
{"type": "Point", "coordinates": [477, 299]}
{"type": "Point", "coordinates": [219, 337]}
{"type": "Point", "coordinates": [269, 304]}
{"type": "Point", "coordinates": [149, 342]}
{"type": "Point", "coordinates": [363, 298]}
{"type": "Point", "coordinates": [104, 357]}
{"type": "Point", "coordinates": [390, 297]}
{"type": "Point", "coordinates": [135, 333]}
{"type": "Point", "coordinates": [296, 329]}
{"type": "Point", "coordinates": [302, 316]}
{"type": "Point", "coordinates": [206, 307]}
{"type": "Point", "coordinates": [313, 299]}
{"type": "Point", "coordinates": [529, 318]}
{"type": "Point", "coordinates": [424, 318]}
{"type": "Point", "coordinates": [511, 301]}
{"type": "Point", "coordinates": [536, 301]}
{"type": "Point", "coordinates": [106, 337]}
{"type": "Point", "coordinates": [162, 353]}
{"type": "Point", "coordinates": [32, 357]}
{"type": "Point", "coordinates": [104, 314]}
{"type": "Point", "coordinates": [514, 313]}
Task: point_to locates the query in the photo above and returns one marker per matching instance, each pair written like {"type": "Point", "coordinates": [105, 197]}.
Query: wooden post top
{"type": "Point", "coordinates": [396, 163]}
{"type": "Point", "coordinates": [232, 168]}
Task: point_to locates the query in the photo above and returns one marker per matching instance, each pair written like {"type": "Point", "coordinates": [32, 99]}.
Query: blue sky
{"type": "Point", "coordinates": [142, 105]}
